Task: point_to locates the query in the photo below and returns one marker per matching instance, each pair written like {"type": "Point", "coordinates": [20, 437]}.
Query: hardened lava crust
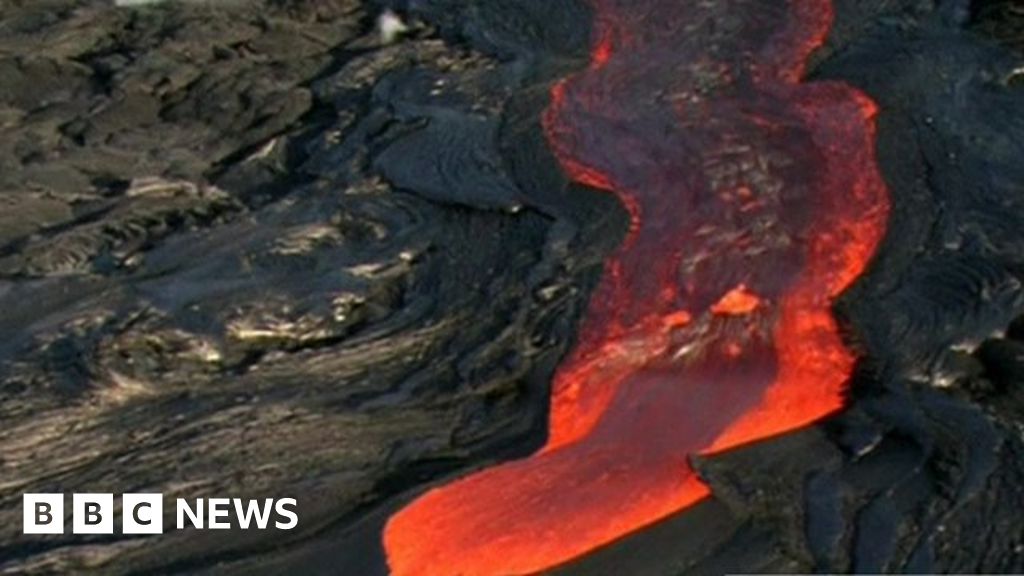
{"type": "Point", "coordinates": [256, 248]}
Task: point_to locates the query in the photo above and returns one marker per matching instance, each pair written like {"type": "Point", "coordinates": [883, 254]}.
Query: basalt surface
{"type": "Point", "coordinates": [248, 248]}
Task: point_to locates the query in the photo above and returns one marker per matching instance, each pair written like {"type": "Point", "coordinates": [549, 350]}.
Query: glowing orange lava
{"type": "Point", "coordinates": [755, 200]}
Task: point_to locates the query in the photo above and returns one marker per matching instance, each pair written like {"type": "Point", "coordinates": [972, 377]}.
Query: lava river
{"type": "Point", "coordinates": [755, 200]}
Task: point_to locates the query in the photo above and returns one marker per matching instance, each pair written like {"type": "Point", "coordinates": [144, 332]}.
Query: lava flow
{"type": "Point", "coordinates": [755, 201]}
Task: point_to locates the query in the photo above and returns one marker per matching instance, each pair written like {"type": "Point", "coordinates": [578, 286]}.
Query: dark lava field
{"type": "Point", "coordinates": [260, 249]}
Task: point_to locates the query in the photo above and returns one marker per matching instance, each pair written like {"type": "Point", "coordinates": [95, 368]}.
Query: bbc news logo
{"type": "Point", "coordinates": [144, 513]}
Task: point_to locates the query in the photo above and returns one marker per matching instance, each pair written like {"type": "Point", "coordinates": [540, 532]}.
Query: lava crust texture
{"type": "Point", "coordinates": [534, 262]}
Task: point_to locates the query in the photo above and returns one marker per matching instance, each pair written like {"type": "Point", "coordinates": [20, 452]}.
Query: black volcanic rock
{"type": "Point", "coordinates": [249, 249]}
{"type": "Point", "coordinates": [188, 310]}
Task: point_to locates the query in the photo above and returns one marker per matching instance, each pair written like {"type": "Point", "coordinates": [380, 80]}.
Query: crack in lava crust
{"type": "Point", "coordinates": [755, 200]}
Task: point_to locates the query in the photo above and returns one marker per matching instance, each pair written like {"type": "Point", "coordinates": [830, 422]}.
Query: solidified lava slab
{"type": "Point", "coordinates": [754, 200]}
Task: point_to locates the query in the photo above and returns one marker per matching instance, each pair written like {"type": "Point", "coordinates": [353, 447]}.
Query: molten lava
{"type": "Point", "coordinates": [755, 200]}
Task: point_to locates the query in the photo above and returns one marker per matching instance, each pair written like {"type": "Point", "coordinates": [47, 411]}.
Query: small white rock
{"type": "Point", "coordinates": [390, 26]}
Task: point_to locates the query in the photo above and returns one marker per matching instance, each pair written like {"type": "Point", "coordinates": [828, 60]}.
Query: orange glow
{"type": "Point", "coordinates": [677, 319]}
{"type": "Point", "coordinates": [738, 301]}
{"type": "Point", "coordinates": [602, 51]}
{"type": "Point", "coordinates": [754, 201]}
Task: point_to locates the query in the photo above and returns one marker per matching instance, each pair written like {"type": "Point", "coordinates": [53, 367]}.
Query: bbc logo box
{"type": "Point", "coordinates": [93, 514]}
{"type": "Point", "coordinates": [44, 514]}
{"type": "Point", "coordinates": [144, 513]}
